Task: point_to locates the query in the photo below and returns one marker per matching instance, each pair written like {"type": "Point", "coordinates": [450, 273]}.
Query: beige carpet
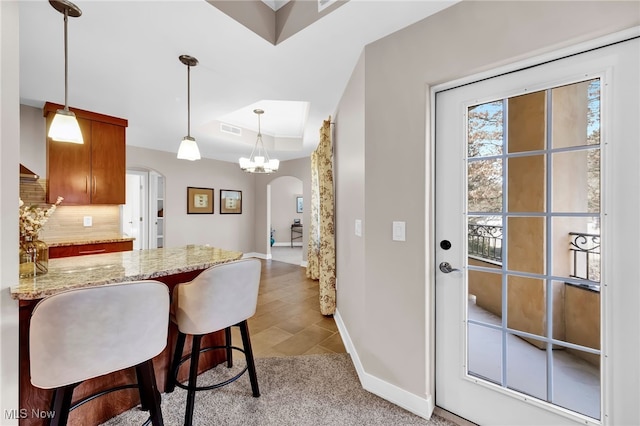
{"type": "Point", "coordinates": [297, 390]}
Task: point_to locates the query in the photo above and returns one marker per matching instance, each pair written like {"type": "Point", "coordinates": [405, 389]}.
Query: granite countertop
{"type": "Point", "coordinates": [100, 269]}
{"type": "Point", "coordinates": [59, 242]}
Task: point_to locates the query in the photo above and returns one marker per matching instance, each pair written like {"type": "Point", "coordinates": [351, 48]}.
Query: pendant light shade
{"type": "Point", "coordinates": [188, 149]}
{"type": "Point", "coordinates": [65, 127]}
{"type": "Point", "coordinates": [259, 161]}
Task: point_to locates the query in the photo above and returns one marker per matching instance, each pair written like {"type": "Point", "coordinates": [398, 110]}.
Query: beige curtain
{"type": "Point", "coordinates": [321, 256]}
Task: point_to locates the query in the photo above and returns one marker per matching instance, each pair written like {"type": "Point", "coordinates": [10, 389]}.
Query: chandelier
{"type": "Point", "coordinates": [65, 127]}
{"type": "Point", "coordinates": [188, 149]}
{"type": "Point", "coordinates": [259, 161]}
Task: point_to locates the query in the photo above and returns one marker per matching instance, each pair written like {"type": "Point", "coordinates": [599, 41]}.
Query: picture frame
{"type": "Point", "coordinates": [199, 200]}
{"type": "Point", "coordinates": [230, 201]}
{"type": "Point", "coordinates": [299, 204]}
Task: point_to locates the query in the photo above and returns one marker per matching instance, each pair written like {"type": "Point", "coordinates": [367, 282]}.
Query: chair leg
{"type": "Point", "coordinates": [248, 353]}
{"type": "Point", "coordinates": [193, 376]}
{"type": "Point", "coordinates": [227, 343]}
{"type": "Point", "coordinates": [149, 393]}
{"type": "Point", "coordinates": [60, 405]}
{"type": "Point", "coordinates": [173, 370]}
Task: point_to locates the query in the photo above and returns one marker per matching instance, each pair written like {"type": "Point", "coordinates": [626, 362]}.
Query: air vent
{"type": "Point", "coordinates": [228, 128]}
{"type": "Point", "coordinates": [323, 4]}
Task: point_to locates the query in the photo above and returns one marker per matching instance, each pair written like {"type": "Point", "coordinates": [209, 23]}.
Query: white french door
{"type": "Point", "coordinates": [536, 199]}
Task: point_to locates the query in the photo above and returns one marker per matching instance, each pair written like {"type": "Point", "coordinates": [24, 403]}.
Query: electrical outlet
{"type": "Point", "coordinates": [358, 228]}
{"type": "Point", "coordinates": [88, 221]}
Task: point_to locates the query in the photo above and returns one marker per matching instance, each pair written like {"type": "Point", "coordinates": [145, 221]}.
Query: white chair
{"type": "Point", "coordinates": [84, 333]}
{"type": "Point", "coordinates": [222, 296]}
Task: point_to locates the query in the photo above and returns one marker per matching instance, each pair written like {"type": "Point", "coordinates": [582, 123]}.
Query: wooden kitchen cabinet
{"type": "Point", "coordinates": [91, 173]}
{"type": "Point", "coordinates": [84, 249]}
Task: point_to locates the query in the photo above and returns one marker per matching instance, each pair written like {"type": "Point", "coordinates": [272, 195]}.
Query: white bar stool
{"type": "Point", "coordinates": [84, 333]}
{"type": "Point", "coordinates": [220, 297]}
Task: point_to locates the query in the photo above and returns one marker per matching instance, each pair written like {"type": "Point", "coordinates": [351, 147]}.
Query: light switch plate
{"type": "Point", "coordinates": [88, 221]}
{"type": "Point", "coordinates": [358, 228]}
{"type": "Point", "coordinates": [399, 231]}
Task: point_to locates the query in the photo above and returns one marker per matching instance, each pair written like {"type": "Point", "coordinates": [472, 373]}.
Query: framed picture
{"type": "Point", "coordinates": [199, 200]}
{"type": "Point", "coordinates": [230, 202]}
{"type": "Point", "coordinates": [299, 204]}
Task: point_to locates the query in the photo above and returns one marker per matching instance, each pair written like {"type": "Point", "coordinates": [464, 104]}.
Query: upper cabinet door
{"type": "Point", "coordinates": [69, 167]}
{"type": "Point", "coordinates": [108, 166]}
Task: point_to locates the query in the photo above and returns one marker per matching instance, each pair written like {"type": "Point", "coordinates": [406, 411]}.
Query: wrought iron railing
{"type": "Point", "coordinates": [585, 250]}
{"type": "Point", "coordinates": [485, 241]}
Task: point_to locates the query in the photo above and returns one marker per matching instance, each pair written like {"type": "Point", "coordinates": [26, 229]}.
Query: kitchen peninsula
{"type": "Point", "coordinates": [168, 265]}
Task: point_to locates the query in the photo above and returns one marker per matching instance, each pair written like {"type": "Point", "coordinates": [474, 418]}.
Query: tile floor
{"type": "Point", "coordinates": [288, 320]}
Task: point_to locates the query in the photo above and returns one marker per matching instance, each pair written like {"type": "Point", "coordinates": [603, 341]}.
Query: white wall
{"type": "Point", "coordinates": [9, 160]}
{"type": "Point", "coordinates": [283, 207]}
{"type": "Point", "coordinates": [388, 302]}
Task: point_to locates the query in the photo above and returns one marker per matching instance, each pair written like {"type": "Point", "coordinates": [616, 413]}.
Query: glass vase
{"type": "Point", "coordinates": [34, 257]}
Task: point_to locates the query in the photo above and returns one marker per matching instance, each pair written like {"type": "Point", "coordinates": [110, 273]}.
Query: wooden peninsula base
{"type": "Point", "coordinates": [35, 403]}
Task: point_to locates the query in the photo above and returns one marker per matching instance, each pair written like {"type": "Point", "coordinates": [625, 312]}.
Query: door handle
{"type": "Point", "coordinates": [447, 268]}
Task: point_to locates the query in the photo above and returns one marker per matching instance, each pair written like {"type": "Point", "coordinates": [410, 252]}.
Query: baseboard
{"type": "Point", "coordinates": [285, 244]}
{"type": "Point", "coordinates": [422, 407]}
{"type": "Point", "coordinates": [258, 255]}
{"type": "Point", "coordinates": [304, 263]}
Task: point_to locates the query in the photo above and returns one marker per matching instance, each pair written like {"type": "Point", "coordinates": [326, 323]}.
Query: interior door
{"type": "Point", "coordinates": [529, 171]}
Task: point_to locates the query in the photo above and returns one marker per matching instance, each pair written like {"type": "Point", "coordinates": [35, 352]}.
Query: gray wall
{"type": "Point", "coordinates": [384, 287]}
{"type": "Point", "coordinates": [229, 231]}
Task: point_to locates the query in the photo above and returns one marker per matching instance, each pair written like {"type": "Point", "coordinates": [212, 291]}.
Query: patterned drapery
{"type": "Point", "coordinates": [321, 256]}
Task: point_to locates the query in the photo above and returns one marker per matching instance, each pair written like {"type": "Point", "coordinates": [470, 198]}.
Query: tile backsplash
{"type": "Point", "coordinates": [67, 222]}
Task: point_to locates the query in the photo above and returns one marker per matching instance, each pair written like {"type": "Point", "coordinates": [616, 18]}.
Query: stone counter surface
{"type": "Point", "coordinates": [100, 269]}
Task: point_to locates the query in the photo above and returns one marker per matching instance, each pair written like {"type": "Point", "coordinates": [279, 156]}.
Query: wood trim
{"type": "Point", "coordinates": [81, 113]}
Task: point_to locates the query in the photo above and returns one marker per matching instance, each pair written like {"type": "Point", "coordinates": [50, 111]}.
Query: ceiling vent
{"type": "Point", "coordinates": [228, 128]}
{"type": "Point", "coordinates": [323, 4]}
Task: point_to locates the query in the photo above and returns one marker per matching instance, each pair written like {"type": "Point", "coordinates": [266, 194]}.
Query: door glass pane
{"type": "Point", "coordinates": [576, 181]}
{"type": "Point", "coordinates": [526, 305]}
{"type": "Point", "coordinates": [527, 366]}
{"type": "Point", "coordinates": [576, 249]}
{"type": "Point", "coordinates": [485, 136]}
{"type": "Point", "coordinates": [576, 381]}
{"type": "Point", "coordinates": [526, 247]}
{"type": "Point", "coordinates": [485, 360]}
{"type": "Point", "coordinates": [485, 240]}
{"type": "Point", "coordinates": [527, 184]}
{"type": "Point", "coordinates": [526, 122]}
{"type": "Point", "coordinates": [576, 114]}
{"type": "Point", "coordinates": [581, 321]}
{"type": "Point", "coordinates": [484, 182]}
{"type": "Point", "coordinates": [533, 244]}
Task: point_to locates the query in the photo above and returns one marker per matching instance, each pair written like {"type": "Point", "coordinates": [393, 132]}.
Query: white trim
{"type": "Point", "coordinates": [539, 59]}
{"type": "Point", "coordinates": [287, 244]}
{"type": "Point", "coordinates": [258, 255]}
{"type": "Point", "coordinates": [422, 407]}
{"type": "Point", "coordinates": [304, 263]}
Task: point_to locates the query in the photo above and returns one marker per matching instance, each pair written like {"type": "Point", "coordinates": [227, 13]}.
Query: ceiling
{"type": "Point", "coordinates": [123, 61]}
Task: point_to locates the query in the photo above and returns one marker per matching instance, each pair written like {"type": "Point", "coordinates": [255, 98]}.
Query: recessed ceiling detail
{"type": "Point", "coordinates": [277, 20]}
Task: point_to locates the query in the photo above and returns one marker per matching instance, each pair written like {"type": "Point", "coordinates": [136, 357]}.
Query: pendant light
{"type": "Point", "coordinates": [188, 147]}
{"type": "Point", "coordinates": [257, 161]}
{"type": "Point", "coordinates": [65, 127]}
